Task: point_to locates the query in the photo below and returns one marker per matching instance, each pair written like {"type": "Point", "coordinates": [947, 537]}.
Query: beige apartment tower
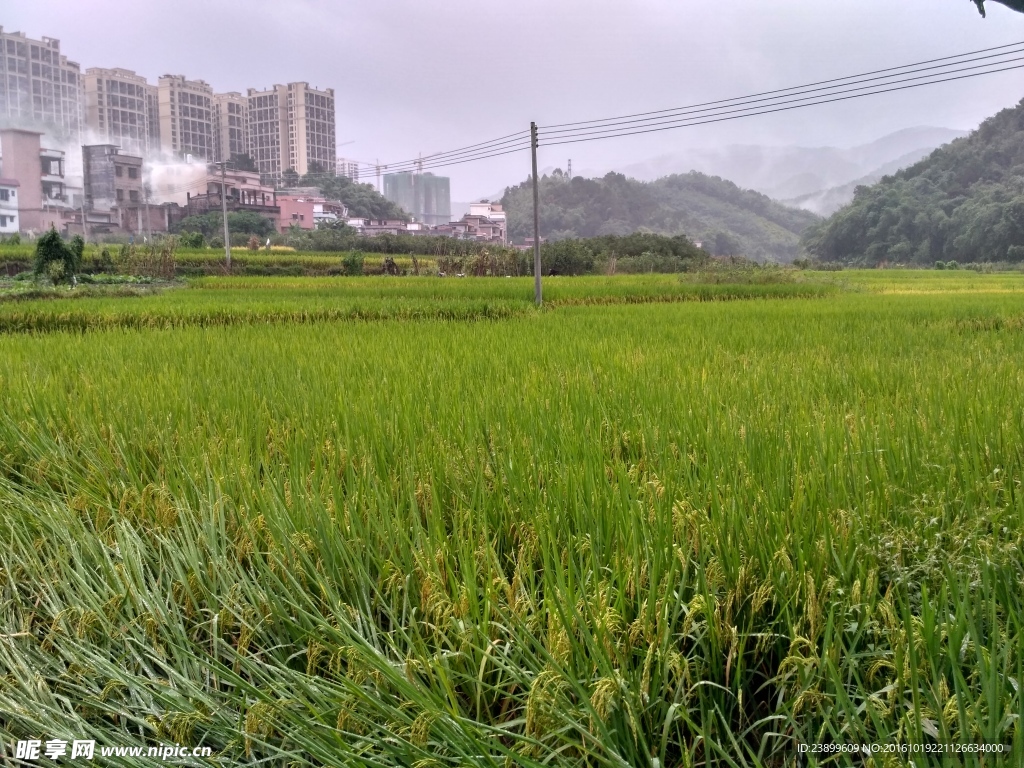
{"type": "Point", "coordinates": [292, 126]}
{"type": "Point", "coordinates": [121, 108]}
{"type": "Point", "coordinates": [38, 85]}
{"type": "Point", "coordinates": [186, 117]}
{"type": "Point", "coordinates": [230, 126]}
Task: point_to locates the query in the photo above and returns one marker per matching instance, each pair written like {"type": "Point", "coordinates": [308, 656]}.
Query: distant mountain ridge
{"type": "Point", "coordinates": [716, 212]}
{"type": "Point", "coordinates": [795, 173]}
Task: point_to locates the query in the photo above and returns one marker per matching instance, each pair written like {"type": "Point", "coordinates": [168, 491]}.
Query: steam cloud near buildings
{"type": "Point", "coordinates": [136, 157]}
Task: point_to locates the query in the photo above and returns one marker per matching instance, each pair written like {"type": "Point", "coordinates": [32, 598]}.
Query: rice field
{"type": "Point", "coordinates": [401, 522]}
{"type": "Point", "coordinates": [234, 301]}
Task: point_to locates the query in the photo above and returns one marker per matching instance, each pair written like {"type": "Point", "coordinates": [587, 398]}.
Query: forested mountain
{"type": "Point", "coordinates": [727, 219]}
{"type": "Point", "coordinates": [964, 202]}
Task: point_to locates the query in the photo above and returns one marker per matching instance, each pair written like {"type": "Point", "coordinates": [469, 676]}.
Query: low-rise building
{"type": "Point", "coordinates": [373, 227]}
{"type": "Point", "coordinates": [474, 227]}
{"type": "Point", "coordinates": [9, 206]}
{"type": "Point", "coordinates": [308, 211]}
{"type": "Point", "coordinates": [494, 213]}
{"type": "Point", "coordinates": [111, 178]}
{"type": "Point", "coordinates": [244, 192]}
{"type": "Point", "coordinates": [114, 189]}
{"type": "Point", "coordinates": [42, 195]}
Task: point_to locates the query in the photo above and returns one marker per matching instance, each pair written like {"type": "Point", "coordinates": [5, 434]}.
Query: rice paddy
{"type": "Point", "coordinates": [418, 522]}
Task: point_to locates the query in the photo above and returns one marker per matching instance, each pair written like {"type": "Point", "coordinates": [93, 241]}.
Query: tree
{"type": "Point", "coordinates": [1016, 5]}
{"type": "Point", "coordinates": [244, 163]}
{"type": "Point", "coordinates": [56, 259]}
{"type": "Point", "coordinates": [726, 245]}
{"type": "Point", "coordinates": [693, 204]}
{"type": "Point", "coordinates": [362, 199]}
{"type": "Point", "coordinates": [290, 177]}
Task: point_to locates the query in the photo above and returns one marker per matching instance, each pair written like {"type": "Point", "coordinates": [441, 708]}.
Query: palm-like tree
{"type": "Point", "coordinates": [1017, 5]}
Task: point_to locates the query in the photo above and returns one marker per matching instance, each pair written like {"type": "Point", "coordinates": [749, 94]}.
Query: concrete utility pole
{"type": "Point", "coordinates": [538, 295]}
{"type": "Point", "coordinates": [85, 226]}
{"type": "Point", "coordinates": [149, 227]}
{"type": "Point", "coordinates": [224, 210]}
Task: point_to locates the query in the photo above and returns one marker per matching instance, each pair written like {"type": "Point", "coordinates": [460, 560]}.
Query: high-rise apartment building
{"type": "Point", "coordinates": [122, 108]}
{"type": "Point", "coordinates": [311, 132]}
{"type": "Point", "coordinates": [38, 85]}
{"type": "Point", "coordinates": [348, 168]}
{"type": "Point", "coordinates": [230, 126]}
{"type": "Point", "coordinates": [423, 195]}
{"type": "Point", "coordinates": [186, 117]}
{"type": "Point", "coordinates": [268, 130]}
{"type": "Point", "coordinates": [292, 127]}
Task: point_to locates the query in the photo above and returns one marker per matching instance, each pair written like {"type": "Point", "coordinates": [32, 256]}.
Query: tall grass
{"type": "Point", "coordinates": [675, 534]}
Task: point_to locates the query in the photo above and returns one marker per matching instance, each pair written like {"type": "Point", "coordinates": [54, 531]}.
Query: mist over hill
{"type": "Point", "coordinates": [828, 201]}
{"type": "Point", "coordinates": [964, 202]}
{"type": "Point", "coordinates": [808, 177]}
{"type": "Point", "coordinates": [726, 219]}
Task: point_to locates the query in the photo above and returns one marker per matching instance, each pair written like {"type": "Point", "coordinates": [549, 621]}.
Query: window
{"type": "Point", "coordinates": [120, 194]}
{"type": "Point", "coordinates": [133, 173]}
{"type": "Point", "coordinates": [4, 194]}
{"type": "Point", "coordinates": [118, 171]}
{"type": "Point", "coordinates": [133, 195]}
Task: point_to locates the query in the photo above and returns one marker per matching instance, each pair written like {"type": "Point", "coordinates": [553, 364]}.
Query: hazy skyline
{"type": "Point", "coordinates": [414, 77]}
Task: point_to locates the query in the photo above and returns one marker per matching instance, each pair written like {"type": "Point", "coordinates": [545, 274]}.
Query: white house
{"type": "Point", "coordinates": [8, 206]}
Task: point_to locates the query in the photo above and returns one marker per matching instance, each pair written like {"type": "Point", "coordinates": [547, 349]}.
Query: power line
{"type": "Point", "coordinates": [779, 100]}
{"type": "Point", "coordinates": [751, 112]}
{"type": "Point", "coordinates": [443, 163]}
{"type": "Point", "coordinates": [497, 143]}
{"type": "Point", "coordinates": [793, 88]}
{"type": "Point", "coordinates": [832, 90]}
{"type": "Point", "coordinates": [929, 72]}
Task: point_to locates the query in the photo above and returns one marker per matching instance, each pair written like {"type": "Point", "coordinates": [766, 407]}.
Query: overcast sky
{"type": "Point", "coordinates": [415, 76]}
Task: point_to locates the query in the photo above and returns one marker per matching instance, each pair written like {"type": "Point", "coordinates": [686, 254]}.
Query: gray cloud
{"type": "Point", "coordinates": [414, 76]}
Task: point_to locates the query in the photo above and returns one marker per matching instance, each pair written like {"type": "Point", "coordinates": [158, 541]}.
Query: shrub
{"type": "Point", "coordinates": [191, 240]}
{"type": "Point", "coordinates": [353, 262]}
{"type": "Point", "coordinates": [254, 243]}
{"type": "Point", "coordinates": [940, 265]}
{"type": "Point", "coordinates": [56, 259]}
{"type": "Point", "coordinates": [103, 262]}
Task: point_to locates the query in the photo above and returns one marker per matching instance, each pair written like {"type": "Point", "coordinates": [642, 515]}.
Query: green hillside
{"type": "Point", "coordinates": [727, 219]}
{"type": "Point", "coordinates": [964, 202]}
